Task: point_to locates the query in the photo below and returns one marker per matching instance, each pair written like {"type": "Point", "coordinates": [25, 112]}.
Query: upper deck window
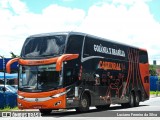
{"type": "Point", "coordinates": [74, 44]}
{"type": "Point", "coordinates": [143, 57]}
{"type": "Point", "coordinates": [44, 46]}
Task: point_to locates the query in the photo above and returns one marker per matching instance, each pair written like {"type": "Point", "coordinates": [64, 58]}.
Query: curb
{"type": "Point", "coordinates": [153, 96]}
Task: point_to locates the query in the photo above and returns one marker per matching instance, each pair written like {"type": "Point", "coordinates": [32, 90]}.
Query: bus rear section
{"type": "Point", "coordinates": [123, 73]}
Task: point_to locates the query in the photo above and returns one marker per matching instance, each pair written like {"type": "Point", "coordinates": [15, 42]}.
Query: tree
{"type": "Point", "coordinates": [152, 70]}
{"type": "Point", "coordinates": [13, 55]}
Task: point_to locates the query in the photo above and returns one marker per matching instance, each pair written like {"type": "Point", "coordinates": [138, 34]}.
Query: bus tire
{"type": "Point", "coordinates": [131, 100]}
{"type": "Point", "coordinates": [83, 104]}
{"type": "Point", "coordinates": [130, 103]}
{"type": "Point", "coordinates": [137, 100]}
{"type": "Point", "coordinates": [45, 111]}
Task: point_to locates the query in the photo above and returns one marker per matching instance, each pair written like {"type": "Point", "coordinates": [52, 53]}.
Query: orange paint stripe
{"type": "Point", "coordinates": [57, 60]}
{"type": "Point", "coordinates": [143, 49]}
{"type": "Point", "coordinates": [127, 76]}
{"type": "Point", "coordinates": [8, 65]}
{"type": "Point", "coordinates": [38, 62]}
{"type": "Point", "coordinates": [64, 57]}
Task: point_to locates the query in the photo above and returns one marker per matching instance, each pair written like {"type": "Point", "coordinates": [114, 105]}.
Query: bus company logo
{"type": "Point", "coordinates": [111, 51]}
{"type": "Point", "coordinates": [110, 66]}
{"type": "Point", "coordinates": [40, 61]}
{"type": "Point", "coordinates": [36, 99]}
{"type": "Point", "coordinates": [36, 62]}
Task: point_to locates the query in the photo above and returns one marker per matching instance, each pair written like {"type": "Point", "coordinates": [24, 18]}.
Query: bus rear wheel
{"type": "Point", "coordinates": [137, 100]}
{"type": "Point", "coordinates": [130, 103]}
{"type": "Point", "coordinates": [45, 111]}
{"type": "Point", "coordinates": [131, 100]}
{"type": "Point", "coordinates": [84, 104]}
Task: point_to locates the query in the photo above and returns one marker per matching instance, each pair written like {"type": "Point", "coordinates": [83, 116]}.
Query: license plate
{"type": "Point", "coordinates": [37, 107]}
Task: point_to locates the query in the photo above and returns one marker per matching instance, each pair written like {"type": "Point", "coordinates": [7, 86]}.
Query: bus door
{"type": "Point", "coordinates": [72, 68]}
{"type": "Point", "coordinates": [68, 79]}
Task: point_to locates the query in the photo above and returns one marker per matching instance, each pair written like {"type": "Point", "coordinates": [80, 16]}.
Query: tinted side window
{"type": "Point", "coordinates": [88, 46]}
{"type": "Point", "coordinates": [143, 57]}
{"type": "Point", "coordinates": [74, 44]}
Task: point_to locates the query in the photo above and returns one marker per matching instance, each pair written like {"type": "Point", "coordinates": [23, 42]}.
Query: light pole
{"type": "Point", "coordinates": [4, 71]}
{"type": "Point", "coordinates": [4, 68]}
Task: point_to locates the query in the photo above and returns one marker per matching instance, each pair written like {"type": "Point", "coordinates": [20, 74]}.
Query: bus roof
{"type": "Point", "coordinates": [85, 34]}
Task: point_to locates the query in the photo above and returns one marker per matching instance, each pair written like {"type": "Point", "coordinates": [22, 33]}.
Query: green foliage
{"type": "Point", "coordinates": [7, 108]}
{"type": "Point", "coordinates": [13, 55]}
{"type": "Point", "coordinates": [152, 69]}
{"type": "Point", "coordinates": [155, 93]}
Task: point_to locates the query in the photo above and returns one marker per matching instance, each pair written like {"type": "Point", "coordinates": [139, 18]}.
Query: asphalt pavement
{"type": "Point", "coordinates": [150, 107]}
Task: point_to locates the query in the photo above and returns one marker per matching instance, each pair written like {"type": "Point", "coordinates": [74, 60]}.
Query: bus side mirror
{"type": "Point", "coordinates": [9, 63]}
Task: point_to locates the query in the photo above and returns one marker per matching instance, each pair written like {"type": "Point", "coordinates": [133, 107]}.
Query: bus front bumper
{"type": "Point", "coordinates": [47, 100]}
{"type": "Point", "coordinates": [36, 103]}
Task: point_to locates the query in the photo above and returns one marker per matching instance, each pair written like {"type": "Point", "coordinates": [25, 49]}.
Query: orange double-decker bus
{"type": "Point", "coordinates": [76, 70]}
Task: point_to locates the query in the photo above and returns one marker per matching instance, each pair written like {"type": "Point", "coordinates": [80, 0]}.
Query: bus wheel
{"type": "Point", "coordinates": [45, 111]}
{"type": "Point", "coordinates": [84, 104]}
{"type": "Point", "coordinates": [131, 101]}
{"type": "Point", "coordinates": [137, 100]}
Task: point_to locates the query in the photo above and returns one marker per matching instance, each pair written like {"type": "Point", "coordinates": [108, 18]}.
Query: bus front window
{"type": "Point", "coordinates": [39, 78]}
{"type": "Point", "coordinates": [43, 46]}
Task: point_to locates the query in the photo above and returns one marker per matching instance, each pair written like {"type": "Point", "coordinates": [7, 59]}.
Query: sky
{"type": "Point", "coordinates": [134, 22]}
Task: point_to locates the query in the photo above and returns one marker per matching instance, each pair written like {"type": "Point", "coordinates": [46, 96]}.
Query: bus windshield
{"type": "Point", "coordinates": [43, 46]}
{"type": "Point", "coordinates": [39, 78]}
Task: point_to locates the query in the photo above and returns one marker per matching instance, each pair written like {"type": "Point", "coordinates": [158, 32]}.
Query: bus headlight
{"type": "Point", "coordinates": [20, 97]}
{"type": "Point", "coordinates": [19, 104]}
